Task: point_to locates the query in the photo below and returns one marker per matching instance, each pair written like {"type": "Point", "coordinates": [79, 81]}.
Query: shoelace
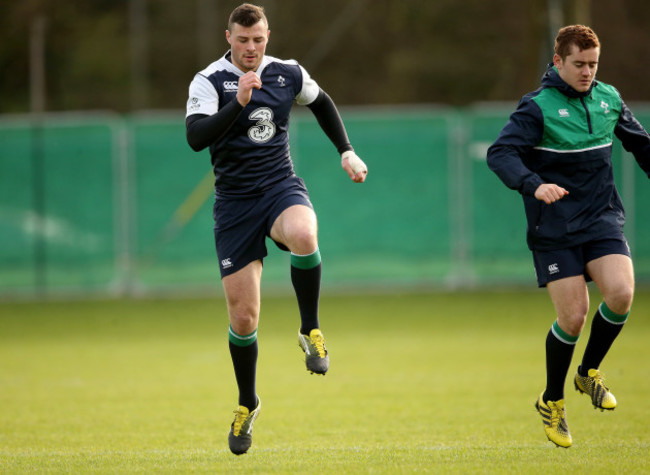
{"type": "Point", "coordinates": [556, 414]}
{"type": "Point", "coordinates": [240, 417]}
{"type": "Point", "coordinates": [599, 380]}
{"type": "Point", "coordinates": [319, 342]}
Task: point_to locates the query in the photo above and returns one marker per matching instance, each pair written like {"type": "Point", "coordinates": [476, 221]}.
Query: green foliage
{"type": "Point", "coordinates": [437, 383]}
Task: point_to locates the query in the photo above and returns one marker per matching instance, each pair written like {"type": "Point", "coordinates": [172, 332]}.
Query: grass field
{"type": "Point", "coordinates": [440, 383]}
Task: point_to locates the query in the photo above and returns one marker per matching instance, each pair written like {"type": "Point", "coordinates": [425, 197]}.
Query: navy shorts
{"type": "Point", "coordinates": [241, 225]}
{"type": "Point", "coordinates": [561, 263]}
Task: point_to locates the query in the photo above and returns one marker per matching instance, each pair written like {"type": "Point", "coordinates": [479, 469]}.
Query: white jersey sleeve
{"type": "Point", "coordinates": [309, 91]}
{"type": "Point", "coordinates": [203, 98]}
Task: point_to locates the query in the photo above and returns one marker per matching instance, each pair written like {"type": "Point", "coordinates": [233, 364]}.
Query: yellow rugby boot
{"type": "Point", "coordinates": [554, 419]}
{"type": "Point", "coordinates": [240, 437]}
{"type": "Point", "coordinates": [316, 357]}
{"type": "Point", "coordinates": [594, 386]}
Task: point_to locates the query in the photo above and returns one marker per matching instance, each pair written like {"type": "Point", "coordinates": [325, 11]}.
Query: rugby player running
{"type": "Point", "coordinates": [239, 107]}
{"type": "Point", "coordinates": [556, 150]}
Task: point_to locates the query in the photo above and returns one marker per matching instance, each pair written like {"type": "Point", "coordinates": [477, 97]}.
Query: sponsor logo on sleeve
{"type": "Point", "coordinates": [194, 105]}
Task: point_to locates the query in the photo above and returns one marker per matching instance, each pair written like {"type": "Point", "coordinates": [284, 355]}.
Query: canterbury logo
{"type": "Point", "coordinates": [230, 86]}
{"type": "Point", "coordinates": [553, 269]}
{"type": "Point", "coordinates": [225, 263]}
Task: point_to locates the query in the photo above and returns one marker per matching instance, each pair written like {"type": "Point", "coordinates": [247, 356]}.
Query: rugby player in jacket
{"type": "Point", "coordinates": [556, 150]}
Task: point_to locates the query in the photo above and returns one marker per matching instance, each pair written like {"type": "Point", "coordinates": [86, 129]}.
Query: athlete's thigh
{"type": "Point", "coordinates": [242, 290]}
{"type": "Point", "coordinates": [296, 227]}
{"type": "Point", "coordinates": [614, 276]}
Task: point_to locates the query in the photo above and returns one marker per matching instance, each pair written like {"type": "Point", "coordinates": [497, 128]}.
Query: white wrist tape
{"type": "Point", "coordinates": [356, 164]}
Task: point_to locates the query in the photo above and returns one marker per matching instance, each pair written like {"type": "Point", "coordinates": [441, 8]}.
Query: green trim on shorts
{"type": "Point", "coordinates": [239, 340]}
{"type": "Point", "coordinates": [562, 335]}
{"type": "Point", "coordinates": [610, 316]}
{"type": "Point", "coordinates": [306, 262]}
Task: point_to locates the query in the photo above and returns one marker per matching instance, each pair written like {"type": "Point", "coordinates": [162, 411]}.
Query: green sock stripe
{"type": "Point", "coordinates": [563, 336]}
{"type": "Point", "coordinates": [610, 316]}
{"type": "Point", "coordinates": [239, 340]}
{"type": "Point", "coordinates": [306, 262]}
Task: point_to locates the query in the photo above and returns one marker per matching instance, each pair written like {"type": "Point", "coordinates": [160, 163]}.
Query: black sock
{"type": "Point", "coordinates": [306, 283]}
{"type": "Point", "coordinates": [605, 327]}
{"type": "Point", "coordinates": [559, 351]}
{"type": "Point", "coordinates": [244, 360]}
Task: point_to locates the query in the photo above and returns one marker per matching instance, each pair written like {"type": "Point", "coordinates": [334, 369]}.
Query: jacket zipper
{"type": "Point", "coordinates": [582, 100]}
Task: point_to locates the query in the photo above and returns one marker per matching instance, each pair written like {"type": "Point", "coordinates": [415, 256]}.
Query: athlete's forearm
{"type": "Point", "coordinates": [330, 121]}
{"type": "Point", "coordinates": [634, 137]}
{"type": "Point", "coordinates": [519, 136]}
{"type": "Point", "coordinates": [203, 130]}
{"type": "Point", "coordinates": [505, 161]}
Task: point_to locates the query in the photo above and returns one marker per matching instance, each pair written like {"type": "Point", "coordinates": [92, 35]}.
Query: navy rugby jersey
{"type": "Point", "coordinates": [558, 135]}
{"type": "Point", "coordinates": [254, 153]}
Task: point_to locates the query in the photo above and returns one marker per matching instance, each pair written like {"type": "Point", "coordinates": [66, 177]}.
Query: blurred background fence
{"type": "Point", "coordinates": [120, 205]}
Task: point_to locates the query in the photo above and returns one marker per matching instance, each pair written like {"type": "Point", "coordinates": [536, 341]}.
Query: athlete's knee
{"type": "Point", "coordinates": [574, 327]}
{"type": "Point", "coordinates": [303, 240]}
{"type": "Point", "coordinates": [243, 316]}
{"type": "Point", "coordinates": [243, 323]}
{"type": "Point", "coordinates": [572, 320]}
{"type": "Point", "coordinates": [619, 299]}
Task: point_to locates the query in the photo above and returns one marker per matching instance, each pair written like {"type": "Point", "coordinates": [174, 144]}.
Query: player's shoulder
{"type": "Point", "coordinates": [542, 93]}
{"type": "Point", "coordinates": [272, 63]}
{"type": "Point", "coordinates": [530, 102]}
{"type": "Point", "coordinates": [281, 62]}
{"type": "Point", "coordinates": [605, 89]}
{"type": "Point", "coordinates": [222, 65]}
{"type": "Point", "coordinates": [547, 98]}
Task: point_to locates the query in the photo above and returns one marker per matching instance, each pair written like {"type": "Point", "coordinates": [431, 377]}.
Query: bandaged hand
{"type": "Point", "coordinates": [354, 166]}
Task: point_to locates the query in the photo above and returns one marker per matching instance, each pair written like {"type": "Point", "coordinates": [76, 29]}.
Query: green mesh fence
{"type": "Point", "coordinates": [636, 196]}
{"type": "Point", "coordinates": [496, 221]}
{"type": "Point", "coordinates": [394, 227]}
{"type": "Point", "coordinates": [57, 215]}
{"type": "Point", "coordinates": [123, 205]}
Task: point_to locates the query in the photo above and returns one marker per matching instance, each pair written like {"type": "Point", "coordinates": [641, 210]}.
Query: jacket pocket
{"type": "Point", "coordinates": [548, 221]}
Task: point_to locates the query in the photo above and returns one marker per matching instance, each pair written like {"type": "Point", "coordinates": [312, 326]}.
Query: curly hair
{"type": "Point", "coordinates": [580, 35]}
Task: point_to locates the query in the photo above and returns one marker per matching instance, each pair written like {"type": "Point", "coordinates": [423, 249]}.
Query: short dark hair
{"type": "Point", "coordinates": [247, 15]}
{"type": "Point", "coordinates": [580, 35]}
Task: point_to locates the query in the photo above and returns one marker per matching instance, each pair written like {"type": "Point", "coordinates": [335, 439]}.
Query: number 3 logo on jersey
{"type": "Point", "coordinates": [264, 128]}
